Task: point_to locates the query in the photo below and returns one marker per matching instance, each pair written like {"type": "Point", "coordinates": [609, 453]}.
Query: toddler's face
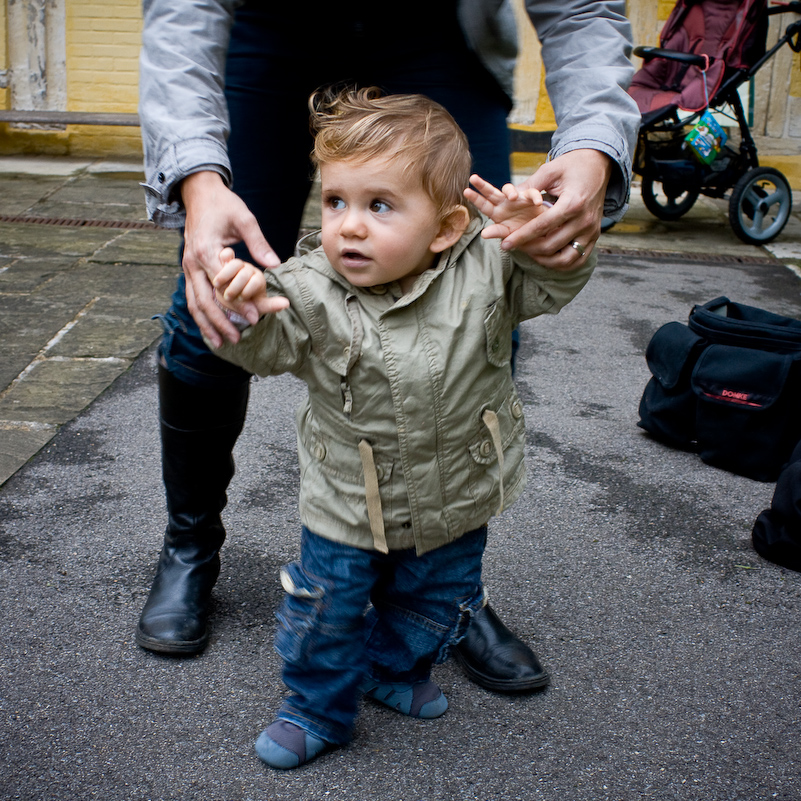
{"type": "Point", "coordinates": [379, 225]}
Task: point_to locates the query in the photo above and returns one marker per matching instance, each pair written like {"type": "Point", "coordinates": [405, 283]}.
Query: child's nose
{"type": "Point", "coordinates": [353, 223]}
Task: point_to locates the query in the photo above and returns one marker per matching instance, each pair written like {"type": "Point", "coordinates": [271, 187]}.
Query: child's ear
{"type": "Point", "coordinates": [453, 225]}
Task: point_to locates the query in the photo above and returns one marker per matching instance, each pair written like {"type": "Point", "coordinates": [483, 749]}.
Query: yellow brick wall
{"type": "Point", "coordinates": [103, 70]}
{"type": "Point", "coordinates": [102, 54]}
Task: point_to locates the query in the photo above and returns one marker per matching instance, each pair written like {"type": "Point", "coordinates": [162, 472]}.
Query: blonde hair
{"type": "Point", "coordinates": [362, 124]}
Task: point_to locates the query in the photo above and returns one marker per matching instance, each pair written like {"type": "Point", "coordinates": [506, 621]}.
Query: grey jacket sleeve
{"type": "Point", "coordinates": [586, 46]}
{"type": "Point", "coordinates": [182, 106]}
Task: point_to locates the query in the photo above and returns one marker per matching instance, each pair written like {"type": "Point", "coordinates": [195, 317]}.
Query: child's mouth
{"type": "Point", "coordinates": [352, 258]}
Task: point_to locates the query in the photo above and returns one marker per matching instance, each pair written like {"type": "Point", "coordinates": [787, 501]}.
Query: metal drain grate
{"type": "Point", "coordinates": [146, 225]}
{"type": "Point", "coordinates": [666, 255]}
{"type": "Point", "coordinates": [70, 222]}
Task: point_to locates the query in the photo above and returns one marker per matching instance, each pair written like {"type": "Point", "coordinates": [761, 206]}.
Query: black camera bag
{"type": "Point", "coordinates": [727, 385]}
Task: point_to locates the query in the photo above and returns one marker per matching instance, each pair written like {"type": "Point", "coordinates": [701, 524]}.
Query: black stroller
{"type": "Point", "coordinates": [709, 49]}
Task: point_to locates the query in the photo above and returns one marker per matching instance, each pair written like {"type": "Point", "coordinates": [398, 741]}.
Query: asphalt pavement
{"type": "Point", "coordinates": [673, 647]}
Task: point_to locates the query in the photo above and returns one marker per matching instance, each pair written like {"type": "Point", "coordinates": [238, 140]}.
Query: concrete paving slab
{"type": "Point", "coordinates": [35, 241]}
{"type": "Point", "coordinates": [117, 326]}
{"type": "Point", "coordinates": [30, 325]}
{"type": "Point", "coordinates": [55, 389]}
{"type": "Point", "coordinates": [99, 189]}
{"type": "Point", "coordinates": [103, 196]}
{"type": "Point", "coordinates": [22, 275]}
{"type": "Point", "coordinates": [132, 167]}
{"type": "Point", "coordinates": [75, 302]}
{"type": "Point", "coordinates": [19, 192]}
{"type": "Point", "coordinates": [89, 211]}
{"type": "Point", "coordinates": [140, 247]}
{"type": "Point", "coordinates": [19, 442]}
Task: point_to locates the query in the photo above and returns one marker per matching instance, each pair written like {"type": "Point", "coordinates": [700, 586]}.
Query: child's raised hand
{"type": "Point", "coordinates": [509, 208]}
{"type": "Point", "coordinates": [239, 286]}
{"type": "Point", "coordinates": [238, 280]}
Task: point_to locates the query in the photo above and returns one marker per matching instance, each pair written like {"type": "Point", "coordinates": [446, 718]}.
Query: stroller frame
{"type": "Point", "coordinates": [672, 179]}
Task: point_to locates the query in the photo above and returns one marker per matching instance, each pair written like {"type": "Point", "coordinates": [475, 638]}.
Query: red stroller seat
{"type": "Point", "coordinates": [731, 33]}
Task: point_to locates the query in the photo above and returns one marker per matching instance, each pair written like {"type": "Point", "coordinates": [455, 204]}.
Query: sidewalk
{"type": "Point", "coordinates": [75, 300]}
{"type": "Point", "coordinates": [82, 273]}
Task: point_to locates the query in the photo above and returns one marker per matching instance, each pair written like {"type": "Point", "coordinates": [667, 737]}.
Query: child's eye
{"type": "Point", "coordinates": [380, 207]}
{"type": "Point", "coordinates": [335, 203]}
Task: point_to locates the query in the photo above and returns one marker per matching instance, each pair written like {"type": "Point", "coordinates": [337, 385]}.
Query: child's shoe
{"type": "Point", "coordinates": [284, 745]}
{"type": "Point", "coordinates": [423, 699]}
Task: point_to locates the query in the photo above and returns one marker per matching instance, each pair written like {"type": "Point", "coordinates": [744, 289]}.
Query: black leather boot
{"type": "Point", "coordinates": [199, 427]}
{"type": "Point", "coordinates": [493, 657]}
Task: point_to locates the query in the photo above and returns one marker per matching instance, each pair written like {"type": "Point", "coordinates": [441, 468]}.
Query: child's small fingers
{"type": "Point", "coordinates": [533, 196]}
{"type": "Point", "coordinates": [254, 286]}
{"type": "Point", "coordinates": [272, 304]}
{"type": "Point", "coordinates": [510, 191]}
{"type": "Point", "coordinates": [485, 188]}
{"type": "Point", "coordinates": [478, 182]}
{"type": "Point", "coordinates": [495, 231]}
{"type": "Point", "coordinates": [226, 273]}
{"type": "Point", "coordinates": [237, 285]}
{"type": "Point", "coordinates": [479, 201]}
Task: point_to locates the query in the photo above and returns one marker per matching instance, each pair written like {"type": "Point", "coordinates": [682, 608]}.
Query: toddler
{"type": "Point", "coordinates": [398, 316]}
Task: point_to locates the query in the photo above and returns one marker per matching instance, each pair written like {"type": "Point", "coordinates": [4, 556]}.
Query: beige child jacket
{"type": "Point", "coordinates": [412, 433]}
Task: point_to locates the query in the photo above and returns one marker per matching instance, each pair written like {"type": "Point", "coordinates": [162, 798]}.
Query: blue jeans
{"type": "Point", "coordinates": [417, 607]}
{"type": "Point", "coordinates": [278, 55]}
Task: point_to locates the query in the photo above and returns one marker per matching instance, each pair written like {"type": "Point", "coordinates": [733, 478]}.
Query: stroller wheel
{"type": "Point", "coordinates": [760, 205]}
{"type": "Point", "coordinates": [667, 201]}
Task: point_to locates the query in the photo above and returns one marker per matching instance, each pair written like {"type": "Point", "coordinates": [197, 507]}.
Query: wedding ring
{"type": "Point", "coordinates": [578, 248]}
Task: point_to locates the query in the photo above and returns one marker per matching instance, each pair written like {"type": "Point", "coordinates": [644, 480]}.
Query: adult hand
{"type": "Point", "coordinates": [577, 180]}
{"type": "Point", "coordinates": [509, 208]}
{"type": "Point", "coordinates": [216, 217]}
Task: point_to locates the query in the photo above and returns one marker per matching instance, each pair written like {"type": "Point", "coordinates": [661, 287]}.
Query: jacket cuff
{"type": "Point", "coordinates": [164, 206]}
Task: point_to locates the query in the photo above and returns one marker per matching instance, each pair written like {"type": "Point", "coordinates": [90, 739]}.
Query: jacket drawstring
{"type": "Point", "coordinates": [490, 420]}
{"type": "Point", "coordinates": [375, 513]}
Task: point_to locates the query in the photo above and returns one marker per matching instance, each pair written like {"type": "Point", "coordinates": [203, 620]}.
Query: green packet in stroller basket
{"type": "Point", "coordinates": [706, 139]}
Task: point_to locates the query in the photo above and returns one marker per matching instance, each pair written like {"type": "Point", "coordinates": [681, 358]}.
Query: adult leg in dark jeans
{"type": "Point", "coordinates": [269, 78]}
{"type": "Point", "coordinates": [203, 399]}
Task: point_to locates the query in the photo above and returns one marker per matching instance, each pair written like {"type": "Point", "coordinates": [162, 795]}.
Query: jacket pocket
{"type": "Point", "coordinates": [332, 476]}
{"type": "Point", "coordinates": [498, 327]}
{"type": "Point", "coordinates": [485, 478]}
{"type": "Point", "coordinates": [340, 460]}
